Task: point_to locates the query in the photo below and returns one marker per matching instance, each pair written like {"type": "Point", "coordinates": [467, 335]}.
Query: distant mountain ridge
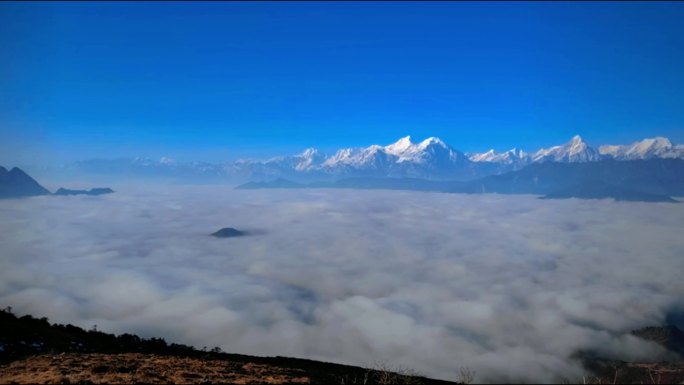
{"type": "Point", "coordinates": [18, 184]}
{"type": "Point", "coordinates": [654, 180]}
{"type": "Point", "coordinates": [92, 191]}
{"type": "Point", "coordinates": [576, 150]}
{"type": "Point", "coordinates": [430, 158]}
{"type": "Point", "coordinates": [651, 180]}
{"type": "Point", "coordinates": [657, 147]}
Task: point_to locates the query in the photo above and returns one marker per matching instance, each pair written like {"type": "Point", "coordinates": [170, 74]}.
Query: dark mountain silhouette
{"type": "Point", "coordinates": [16, 184]}
{"type": "Point", "coordinates": [616, 178]}
{"type": "Point", "coordinates": [228, 232]}
{"type": "Point", "coordinates": [92, 191]}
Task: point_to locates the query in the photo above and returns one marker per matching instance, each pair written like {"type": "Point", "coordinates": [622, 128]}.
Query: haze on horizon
{"type": "Point", "coordinates": [218, 81]}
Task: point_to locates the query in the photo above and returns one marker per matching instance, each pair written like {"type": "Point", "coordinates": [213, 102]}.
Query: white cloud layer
{"type": "Point", "coordinates": [509, 286]}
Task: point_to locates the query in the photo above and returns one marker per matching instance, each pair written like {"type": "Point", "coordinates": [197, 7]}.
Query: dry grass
{"type": "Point", "coordinates": [133, 368]}
{"type": "Point", "coordinates": [386, 374]}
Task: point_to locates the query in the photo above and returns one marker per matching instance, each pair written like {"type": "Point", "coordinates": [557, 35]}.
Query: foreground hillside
{"type": "Point", "coordinates": [34, 351]}
{"type": "Point", "coordinates": [127, 368]}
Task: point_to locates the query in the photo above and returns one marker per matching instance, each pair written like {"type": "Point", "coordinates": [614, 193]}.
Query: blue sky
{"type": "Point", "coordinates": [216, 81]}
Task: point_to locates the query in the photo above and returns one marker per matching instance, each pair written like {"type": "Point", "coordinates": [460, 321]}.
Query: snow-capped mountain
{"type": "Point", "coordinates": [657, 147]}
{"type": "Point", "coordinates": [369, 158]}
{"type": "Point", "coordinates": [431, 150]}
{"type": "Point", "coordinates": [431, 158]}
{"type": "Point", "coordinates": [401, 146]}
{"type": "Point", "coordinates": [576, 150]}
{"type": "Point", "coordinates": [307, 160]}
{"type": "Point", "coordinates": [514, 157]}
{"type": "Point", "coordinates": [277, 167]}
{"type": "Point", "coordinates": [310, 158]}
{"type": "Point", "coordinates": [402, 158]}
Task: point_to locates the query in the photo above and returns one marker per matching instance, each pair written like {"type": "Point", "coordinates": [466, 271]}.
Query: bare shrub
{"type": "Point", "coordinates": [386, 374]}
{"type": "Point", "coordinates": [465, 375]}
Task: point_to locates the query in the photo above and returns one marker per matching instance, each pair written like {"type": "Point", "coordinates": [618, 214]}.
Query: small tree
{"type": "Point", "coordinates": [465, 375]}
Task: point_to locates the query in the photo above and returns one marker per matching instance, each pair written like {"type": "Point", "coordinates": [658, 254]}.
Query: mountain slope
{"type": "Point", "coordinates": [513, 156]}
{"type": "Point", "coordinates": [657, 147]}
{"type": "Point", "coordinates": [576, 150]}
{"type": "Point", "coordinates": [653, 180]}
{"type": "Point", "coordinates": [16, 183]}
{"type": "Point", "coordinates": [661, 178]}
{"type": "Point", "coordinates": [403, 158]}
{"type": "Point", "coordinates": [34, 351]}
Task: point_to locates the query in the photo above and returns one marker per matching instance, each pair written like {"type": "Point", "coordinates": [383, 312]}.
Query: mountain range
{"type": "Point", "coordinates": [431, 158]}
{"type": "Point", "coordinates": [645, 180]}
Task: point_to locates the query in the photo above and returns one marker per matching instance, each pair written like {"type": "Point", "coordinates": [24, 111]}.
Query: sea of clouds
{"type": "Point", "coordinates": [509, 286]}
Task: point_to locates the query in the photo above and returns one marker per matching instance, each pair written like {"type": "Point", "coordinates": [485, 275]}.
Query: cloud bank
{"type": "Point", "coordinates": [510, 286]}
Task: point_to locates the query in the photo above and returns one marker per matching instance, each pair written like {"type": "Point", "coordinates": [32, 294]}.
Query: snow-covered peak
{"type": "Point", "coordinates": [309, 158]}
{"type": "Point", "coordinates": [404, 155]}
{"type": "Point", "coordinates": [516, 152]}
{"type": "Point", "coordinates": [658, 147]}
{"type": "Point", "coordinates": [576, 150]}
{"type": "Point", "coordinates": [652, 144]}
{"type": "Point", "coordinates": [576, 145]}
{"type": "Point", "coordinates": [309, 153]}
{"type": "Point", "coordinates": [432, 141]}
{"type": "Point", "coordinates": [576, 139]}
{"type": "Point", "coordinates": [649, 148]}
{"type": "Point", "coordinates": [513, 156]}
{"type": "Point", "coordinates": [312, 155]}
{"type": "Point", "coordinates": [400, 145]}
{"type": "Point", "coordinates": [489, 156]}
{"type": "Point", "coordinates": [340, 157]}
{"type": "Point", "coordinates": [661, 141]}
{"type": "Point", "coordinates": [430, 150]}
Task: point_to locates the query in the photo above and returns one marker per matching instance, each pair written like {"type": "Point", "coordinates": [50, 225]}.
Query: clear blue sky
{"type": "Point", "coordinates": [216, 81]}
